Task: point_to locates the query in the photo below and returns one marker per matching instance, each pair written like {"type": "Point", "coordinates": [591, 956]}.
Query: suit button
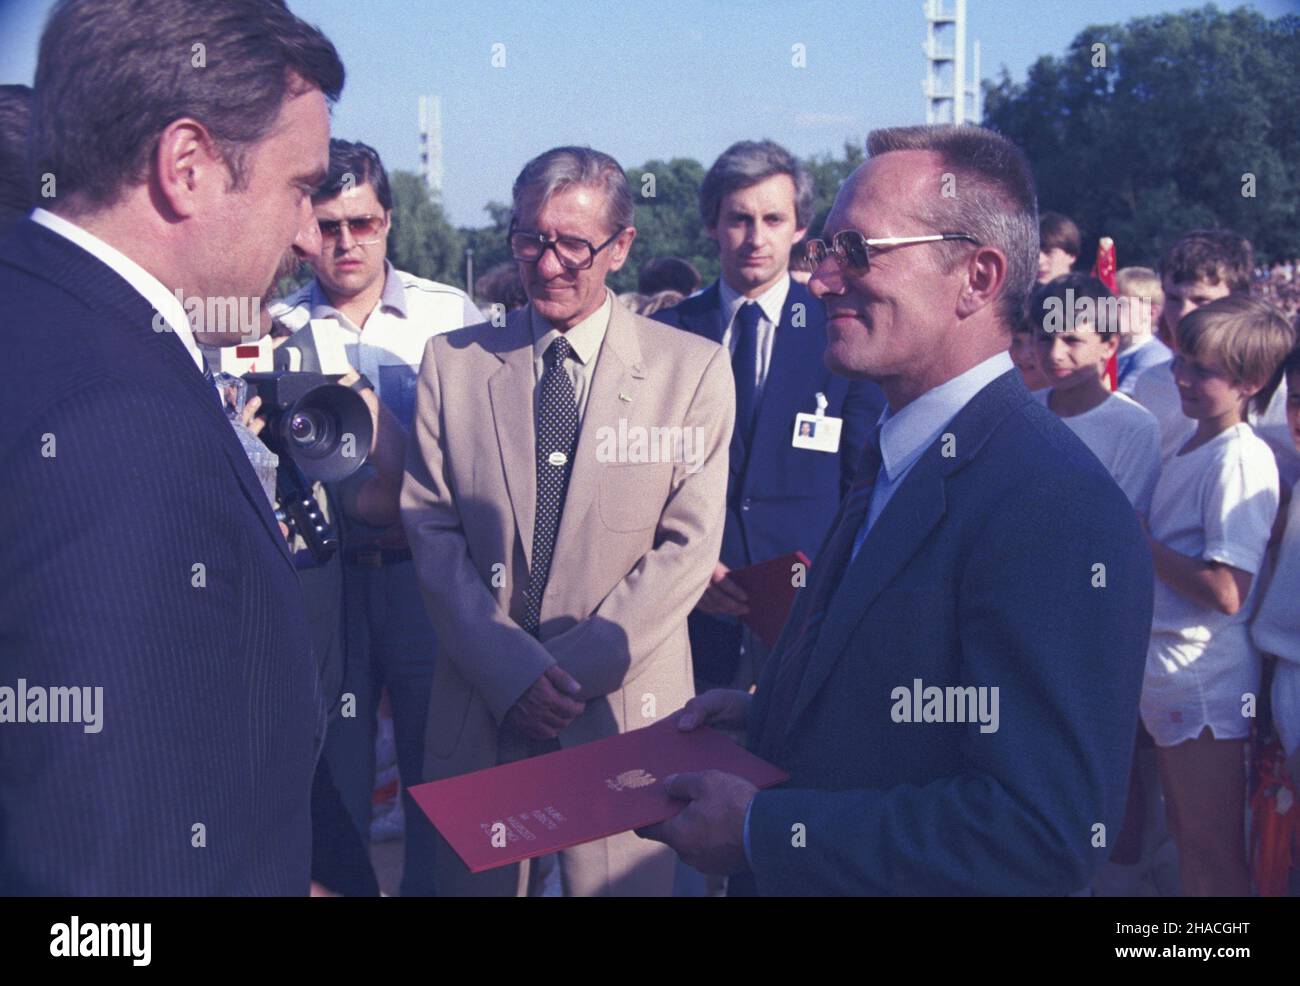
{"type": "Point", "coordinates": [745, 504]}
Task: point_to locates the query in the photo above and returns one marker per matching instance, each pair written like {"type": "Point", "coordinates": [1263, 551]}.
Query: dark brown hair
{"type": "Point", "coordinates": [1056, 230]}
{"type": "Point", "coordinates": [113, 74]}
{"type": "Point", "coordinates": [16, 193]}
{"type": "Point", "coordinates": [1211, 255]}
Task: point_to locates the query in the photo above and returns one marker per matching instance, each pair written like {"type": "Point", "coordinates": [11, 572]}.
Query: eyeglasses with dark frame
{"type": "Point", "coordinates": [573, 252]}
{"type": "Point", "coordinates": [364, 229]}
{"type": "Point", "coordinates": [853, 249]}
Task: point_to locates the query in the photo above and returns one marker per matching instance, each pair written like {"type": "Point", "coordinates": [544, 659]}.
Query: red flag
{"type": "Point", "coordinates": [1103, 269]}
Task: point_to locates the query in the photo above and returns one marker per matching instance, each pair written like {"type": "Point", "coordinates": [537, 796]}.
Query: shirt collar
{"type": "Point", "coordinates": [771, 301]}
{"type": "Point", "coordinates": [393, 296]}
{"type": "Point", "coordinates": [153, 290]}
{"type": "Point", "coordinates": [905, 435]}
{"type": "Point", "coordinates": [585, 337]}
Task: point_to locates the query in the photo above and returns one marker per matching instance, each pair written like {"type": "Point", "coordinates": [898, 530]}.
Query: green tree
{"type": "Point", "coordinates": [422, 241]}
{"type": "Point", "coordinates": [667, 196]}
{"type": "Point", "coordinates": [1145, 130]}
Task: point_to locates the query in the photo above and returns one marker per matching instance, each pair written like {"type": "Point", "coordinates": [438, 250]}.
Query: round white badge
{"type": "Point", "coordinates": [557, 458]}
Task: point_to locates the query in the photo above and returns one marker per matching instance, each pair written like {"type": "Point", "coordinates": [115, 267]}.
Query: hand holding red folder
{"type": "Point", "coordinates": [543, 804]}
{"type": "Point", "coordinates": [770, 586]}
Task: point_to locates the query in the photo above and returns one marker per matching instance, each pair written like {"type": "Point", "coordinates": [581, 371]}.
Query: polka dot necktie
{"type": "Point", "coordinates": [557, 436]}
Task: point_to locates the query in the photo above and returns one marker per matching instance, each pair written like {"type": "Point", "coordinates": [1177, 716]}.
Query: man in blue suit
{"type": "Point", "coordinates": [756, 202]}
{"type": "Point", "coordinates": [955, 693]}
{"type": "Point", "coordinates": [142, 563]}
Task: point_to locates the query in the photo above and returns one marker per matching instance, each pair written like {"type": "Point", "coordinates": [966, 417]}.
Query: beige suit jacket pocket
{"type": "Point", "coordinates": [632, 495]}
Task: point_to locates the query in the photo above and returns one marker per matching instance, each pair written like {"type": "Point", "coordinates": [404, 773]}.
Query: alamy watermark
{"type": "Point", "coordinates": [637, 443]}
{"type": "Point", "coordinates": [238, 319]}
{"type": "Point", "coordinates": [955, 703]}
{"type": "Point", "coordinates": [35, 703]}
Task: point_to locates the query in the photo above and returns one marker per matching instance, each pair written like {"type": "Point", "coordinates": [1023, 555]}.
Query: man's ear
{"type": "Point", "coordinates": [621, 248]}
{"type": "Point", "coordinates": [986, 271]}
{"type": "Point", "coordinates": [187, 168]}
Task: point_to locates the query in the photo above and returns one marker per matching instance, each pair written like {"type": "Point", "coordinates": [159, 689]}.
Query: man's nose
{"type": "Point", "coordinates": [825, 279]}
{"type": "Point", "coordinates": [548, 265]}
{"type": "Point", "coordinates": [307, 244]}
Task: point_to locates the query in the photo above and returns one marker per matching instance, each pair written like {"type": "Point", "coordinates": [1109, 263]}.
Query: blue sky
{"type": "Point", "coordinates": [638, 79]}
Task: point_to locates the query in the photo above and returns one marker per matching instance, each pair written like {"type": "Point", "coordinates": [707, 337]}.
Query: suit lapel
{"type": "Point", "coordinates": [101, 288]}
{"type": "Point", "coordinates": [912, 513]}
{"type": "Point", "coordinates": [619, 371]}
{"type": "Point", "coordinates": [510, 390]}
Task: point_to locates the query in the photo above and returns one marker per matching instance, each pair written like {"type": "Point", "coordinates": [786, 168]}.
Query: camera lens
{"type": "Point", "coordinates": [307, 427]}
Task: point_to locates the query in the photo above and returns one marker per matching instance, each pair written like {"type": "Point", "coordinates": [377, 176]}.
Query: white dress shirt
{"type": "Point", "coordinates": [153, 290]}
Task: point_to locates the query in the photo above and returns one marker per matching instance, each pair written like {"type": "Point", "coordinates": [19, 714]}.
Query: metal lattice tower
{"type": "Point", "coordinates": [945, 86]}
{"type": "Point", "coordinates": [431, 144]}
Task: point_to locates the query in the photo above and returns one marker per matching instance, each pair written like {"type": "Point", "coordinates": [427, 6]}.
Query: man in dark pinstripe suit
{"type": "Point", "coordinates": [140, 554]}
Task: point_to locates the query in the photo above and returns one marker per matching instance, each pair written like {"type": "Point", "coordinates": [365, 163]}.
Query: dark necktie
{"type": "Point", "coordinates": [827, 572]}
{"type": "Point", "coordinates": [211, 381]}
{"type": "Point", "coordinates": [744, 364]}
{"type": "Point", "coordinates": [557, 435]}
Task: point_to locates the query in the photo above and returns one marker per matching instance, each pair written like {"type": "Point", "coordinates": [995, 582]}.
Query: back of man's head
{"type": "Point", "coordinates": [992, 199]}
{"type": "Point", "coordinates": [668, 274]}
{"type": "Point", "coordinates": [113, 74]}
{"type": "Point", "coordinates": [746, 163]}
{"type": "Point", "coordinates": [1212, 255]}
{"type": "Point", "coordinates": [16, 193]}
{"type": "Point", "coordinates": [352, 164]}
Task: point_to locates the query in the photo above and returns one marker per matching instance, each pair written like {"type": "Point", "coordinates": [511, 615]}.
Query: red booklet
{"type": "Point", "coordinates": [532, 807]}
{"type": "Point", "coordinates": [770, 588]}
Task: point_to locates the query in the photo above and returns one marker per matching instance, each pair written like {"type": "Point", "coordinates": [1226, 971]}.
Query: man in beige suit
{"type": "Point", "coordinates": [564, 500]}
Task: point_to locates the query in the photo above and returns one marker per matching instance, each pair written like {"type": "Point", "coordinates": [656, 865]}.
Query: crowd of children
{"type": "Point", "coordinates": [1202, 432]}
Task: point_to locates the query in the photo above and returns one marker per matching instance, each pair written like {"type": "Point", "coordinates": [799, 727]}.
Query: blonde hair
{"type": "Point", "coordinates": [1245, 337]}
{"type": "Point", "coordinates": [1139, 282]}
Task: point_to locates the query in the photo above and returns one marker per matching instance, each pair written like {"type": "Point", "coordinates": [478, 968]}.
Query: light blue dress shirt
{"type": "Point", "coordinates": [903, 437]}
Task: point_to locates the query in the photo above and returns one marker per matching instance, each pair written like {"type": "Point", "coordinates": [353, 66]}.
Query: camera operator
{"type": "Point", "coordinates": [382, 318]}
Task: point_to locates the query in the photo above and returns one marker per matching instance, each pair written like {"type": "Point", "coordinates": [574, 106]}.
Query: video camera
{"type": "Point", "coordinates": [320, 430]}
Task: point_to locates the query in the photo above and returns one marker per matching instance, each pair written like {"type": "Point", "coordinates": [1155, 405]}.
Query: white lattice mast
{"type": "Point", "coordinates": [945, 84]}
{"type": "Point", "coordinates": [431, 144]}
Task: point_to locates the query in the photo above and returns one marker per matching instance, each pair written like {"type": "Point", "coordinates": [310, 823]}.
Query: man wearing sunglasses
{"type": "Point", "coordinates": [380, 318]}
{"type": "Point", "coordinates": [955, 692]}
{"type": "Point", "coordinates": [558, 564]}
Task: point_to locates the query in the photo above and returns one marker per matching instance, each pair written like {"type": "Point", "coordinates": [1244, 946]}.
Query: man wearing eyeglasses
{"type": "Point", "coordinates": [955, 693]}
{"type": "Point", "coordinates": [559, 563]}
{"type": "Point", "coordinates": [380, 318]}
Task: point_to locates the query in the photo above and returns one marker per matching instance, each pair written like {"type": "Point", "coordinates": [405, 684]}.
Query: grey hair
{"type": "Point", "coordinates": [746, 163]}
{"type": "Point", "coordinates": [993, 199]}
{"type": "Point", "coordinates": [561, 167]}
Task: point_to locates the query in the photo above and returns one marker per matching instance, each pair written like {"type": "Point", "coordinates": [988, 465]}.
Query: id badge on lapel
{"type": "Point", "coordinates": [818, 432]}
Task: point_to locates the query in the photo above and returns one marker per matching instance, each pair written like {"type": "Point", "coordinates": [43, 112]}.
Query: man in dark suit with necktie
{"type": "Point", "coordinates": [143, 565]}
{"type": "Point", "coordinates": [756, 202]}
{"type": "Point", "coordinates": [955, 693]}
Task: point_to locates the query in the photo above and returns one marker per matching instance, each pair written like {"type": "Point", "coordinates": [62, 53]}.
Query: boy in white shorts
{"type": "Point", "coordinates": [1210, 520]}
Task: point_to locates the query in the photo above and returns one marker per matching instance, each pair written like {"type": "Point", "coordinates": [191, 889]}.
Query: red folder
{"type": "Point", "coordinates": [771, 594]}
{"type": "Point", "coordinates": [531, 807]}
